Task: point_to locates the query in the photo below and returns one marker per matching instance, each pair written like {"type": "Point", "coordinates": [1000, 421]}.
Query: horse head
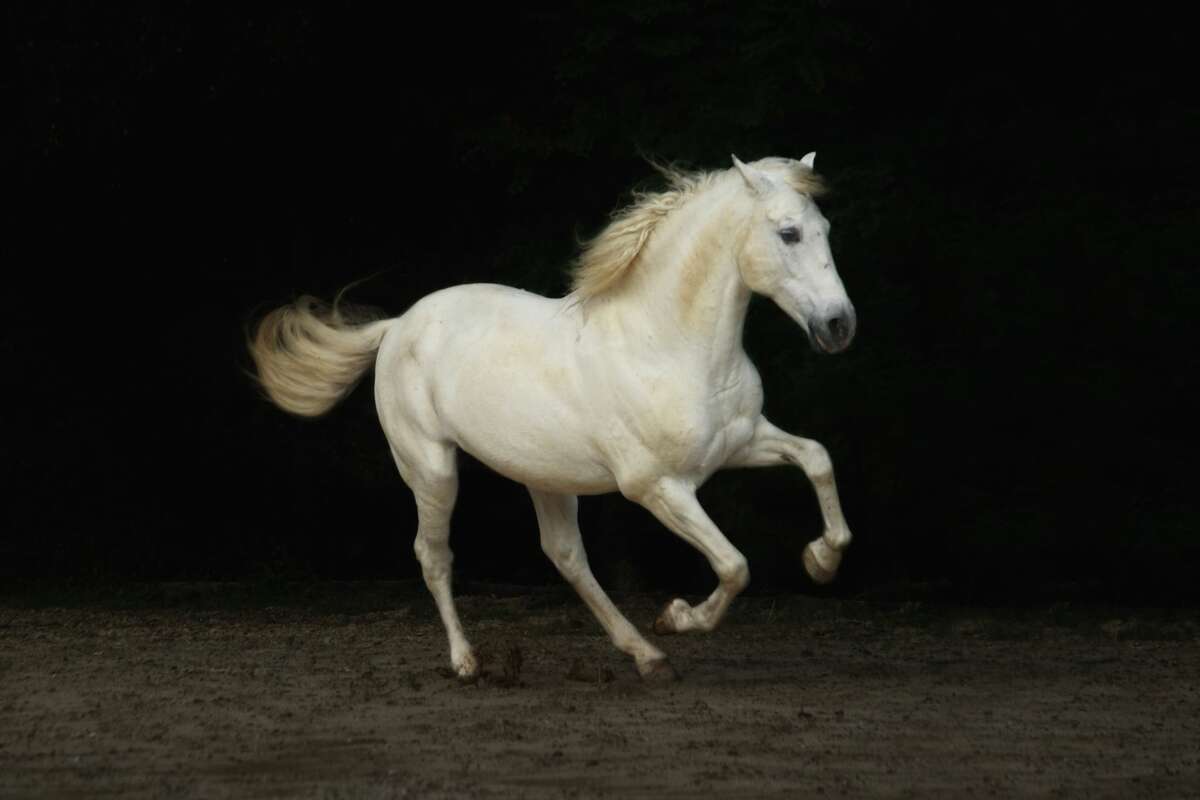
{"type": "Point", "coordinates": [785, 254]}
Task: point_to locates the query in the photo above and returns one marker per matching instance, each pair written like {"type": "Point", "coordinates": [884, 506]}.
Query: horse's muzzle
{"type": "Point", "coordinates": [834, 332]}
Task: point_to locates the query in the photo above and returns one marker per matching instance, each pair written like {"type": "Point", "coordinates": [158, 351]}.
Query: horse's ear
{"type": "Point", "coordinates": [808, 160]}
{"type": "Point", "coordinates": [756, 179]}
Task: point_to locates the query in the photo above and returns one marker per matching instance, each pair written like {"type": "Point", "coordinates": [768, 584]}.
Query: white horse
{"type": "Point", "coordinates": [634, 382]}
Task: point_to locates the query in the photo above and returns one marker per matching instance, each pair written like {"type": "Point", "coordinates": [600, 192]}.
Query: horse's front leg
{"type": "Point", "coordinates": [674, 502]}
{"type": "Point", "coordinates": [771, 446]}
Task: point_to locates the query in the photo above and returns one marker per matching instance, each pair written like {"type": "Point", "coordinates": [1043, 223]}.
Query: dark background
{"type": "Point", "coordinates": [1015, 207]}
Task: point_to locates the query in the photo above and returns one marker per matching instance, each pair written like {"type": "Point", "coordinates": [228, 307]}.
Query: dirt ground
{"type": "Point", "coordinates": [342, 691]}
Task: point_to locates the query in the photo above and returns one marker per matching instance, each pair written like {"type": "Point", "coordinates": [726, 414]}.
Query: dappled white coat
{"type": "Point", "coordinates": [635, 382]}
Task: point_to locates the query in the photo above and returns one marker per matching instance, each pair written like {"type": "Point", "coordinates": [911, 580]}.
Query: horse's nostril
{"type": "Point", "coordinates": [837, 327]}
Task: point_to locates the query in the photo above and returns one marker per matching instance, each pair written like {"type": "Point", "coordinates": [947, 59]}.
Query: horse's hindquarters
{"type": "Point", "coordinates": [493, 370]}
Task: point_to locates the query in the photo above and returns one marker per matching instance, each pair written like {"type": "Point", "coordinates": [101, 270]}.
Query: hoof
{"type": "Point", "coordinates": [675, 618]}
{"type": "Point", "coordinates": [466, 667]}
{"type": "Point", "coordinates": [821, 562]}
{"type": "Point", "coordinates": [658, 671]}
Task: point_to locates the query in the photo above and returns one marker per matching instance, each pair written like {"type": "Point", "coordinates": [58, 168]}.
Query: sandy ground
{"type": "Point", "coordinates": [342, 691]}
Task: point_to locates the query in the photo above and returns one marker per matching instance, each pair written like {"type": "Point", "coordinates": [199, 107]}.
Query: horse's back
{"type": "Point", "coordinates": [493, 369]}
{"type": "Point", "coordinates": [452, 317]}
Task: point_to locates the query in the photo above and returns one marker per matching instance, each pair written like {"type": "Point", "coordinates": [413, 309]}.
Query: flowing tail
{"type": "Point", "coordinates": [309, 355]}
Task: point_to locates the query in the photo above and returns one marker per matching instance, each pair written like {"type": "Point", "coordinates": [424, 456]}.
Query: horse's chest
{"type": "Point", "coordinates": [727, 440]}
{"type": "Point", "coordinates": [679, 421]}
{"type": "Point", "coordinates": [699, 435]}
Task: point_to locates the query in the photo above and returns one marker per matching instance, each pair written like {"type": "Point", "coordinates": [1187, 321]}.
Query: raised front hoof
{"type": "Point", "coordinates": [675, 618]}
{"type": "Point", "coordinates": [658, 671]}
{"type": "Point", "coordinates": [821, 562]}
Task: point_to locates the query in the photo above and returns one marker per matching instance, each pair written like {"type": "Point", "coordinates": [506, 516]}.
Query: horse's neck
{"type": "Point", "coordinates": [685, 297]}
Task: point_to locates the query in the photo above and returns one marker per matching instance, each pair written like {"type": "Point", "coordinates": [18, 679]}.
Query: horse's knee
{"type": "Point", "coordinates": [735, 575]}
{"type": "Point", "coordinates": [817, 462]}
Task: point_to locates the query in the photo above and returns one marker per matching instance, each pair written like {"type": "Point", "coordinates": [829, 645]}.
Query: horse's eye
{"type": "Point", "coordinates": [790, 235]}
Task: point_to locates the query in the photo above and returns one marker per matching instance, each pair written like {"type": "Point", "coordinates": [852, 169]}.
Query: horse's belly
{"type": "Point", "coordinates": [541, 464]}
{"type": "Point", "coordinates": [522, 428]}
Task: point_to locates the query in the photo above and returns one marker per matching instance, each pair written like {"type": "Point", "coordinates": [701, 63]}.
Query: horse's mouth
{"type": "Point", "coordinates": [824, 345]}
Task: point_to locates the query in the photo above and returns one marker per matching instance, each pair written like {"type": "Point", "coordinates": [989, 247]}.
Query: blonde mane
{"type": "Point", "coordinates": [607, 258]}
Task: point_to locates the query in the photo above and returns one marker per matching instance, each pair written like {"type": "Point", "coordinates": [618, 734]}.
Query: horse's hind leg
{"type": "Point", "coordinates": [432, 474]}
{"type": "Point", "coordinates": [557, 516]}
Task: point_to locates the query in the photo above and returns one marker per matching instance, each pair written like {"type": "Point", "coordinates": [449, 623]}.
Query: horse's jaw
{"type": "Point", "coordinates": [830, 327]}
